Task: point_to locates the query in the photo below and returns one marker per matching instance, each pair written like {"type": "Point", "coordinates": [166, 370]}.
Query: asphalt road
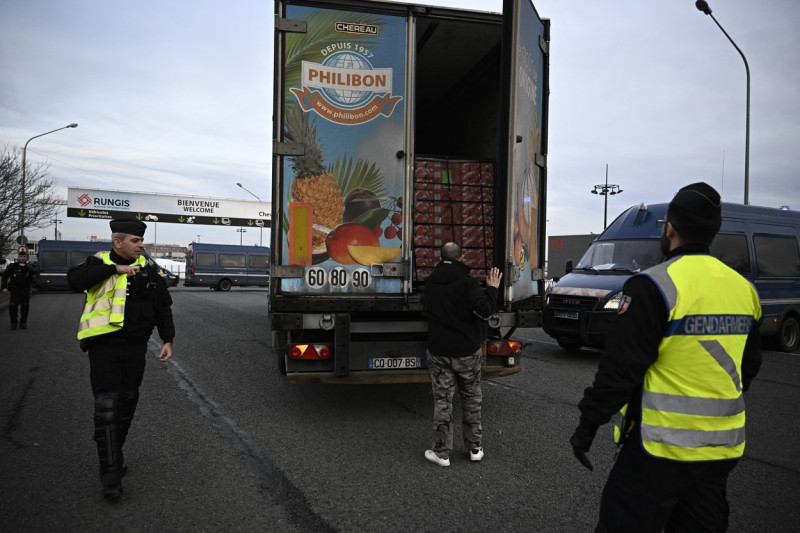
{"type": "Point", "coordinates": [222, 443]}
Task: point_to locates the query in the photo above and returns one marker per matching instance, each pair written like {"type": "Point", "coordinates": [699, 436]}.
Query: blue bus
{"type": "Point", "coordinates": [761, 243]}
{"type": "Point", "coordinates": [55, 258]}
{"type": "Point", "coordinates": [222, 266]}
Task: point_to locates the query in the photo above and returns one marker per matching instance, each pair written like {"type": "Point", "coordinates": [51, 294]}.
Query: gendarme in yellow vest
{"type": "Point", "coordinates": [104, 311]}
{"type": "Point", "coordinates": [692, 404]}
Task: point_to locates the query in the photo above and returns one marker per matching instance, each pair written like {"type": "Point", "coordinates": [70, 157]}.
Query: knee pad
{"type": "Point", "coordinates": [105, 405]}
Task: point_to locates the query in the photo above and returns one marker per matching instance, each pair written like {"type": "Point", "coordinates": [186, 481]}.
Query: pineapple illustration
{"type": "Point", "coordinates": [312, 183]}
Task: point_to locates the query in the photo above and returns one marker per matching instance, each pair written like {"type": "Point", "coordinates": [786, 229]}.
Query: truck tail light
{"type": "Point", "coordinates": [503, 347]}
{"type": "Point", "coordinates": [309, 351]}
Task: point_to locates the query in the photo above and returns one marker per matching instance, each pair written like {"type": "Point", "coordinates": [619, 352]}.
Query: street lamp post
{"type": "Point", "coordinates": [703, 6]}
{"type": "Point", "coordinates": [56, 222]}
{"type": "Point", "coordinates": [260, 228]}
{"type": "Point", "coordinates": [605, 190]}
{"type": "Point", "coordinates": [241, 231]}
{"type": "Point", "coordinates": [22, 201]}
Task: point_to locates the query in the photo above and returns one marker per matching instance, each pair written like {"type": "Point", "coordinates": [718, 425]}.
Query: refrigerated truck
{"type": "Point", "coordinates": [761, 243]}
{"type": "Point", "coordinates": [399, 127]}
{"type": "Point", "coordinates": [222, 266]}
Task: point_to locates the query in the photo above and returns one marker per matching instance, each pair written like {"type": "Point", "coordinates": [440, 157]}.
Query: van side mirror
{"type": "Point", "coordinates": [568, 269]}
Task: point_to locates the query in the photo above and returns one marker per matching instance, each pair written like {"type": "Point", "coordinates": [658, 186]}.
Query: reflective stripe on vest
{"type": "Point", "coordinates": [692, 404]}
{"type": "Point", "coordinates": [104, 311]}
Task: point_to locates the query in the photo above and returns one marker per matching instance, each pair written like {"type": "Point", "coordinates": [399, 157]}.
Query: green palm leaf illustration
{"type": "Point", "coordinates": [361, 174]}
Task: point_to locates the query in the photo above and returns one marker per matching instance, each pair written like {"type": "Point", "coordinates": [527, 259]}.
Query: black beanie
{"type": "Point", "coordinates": [699, 209]}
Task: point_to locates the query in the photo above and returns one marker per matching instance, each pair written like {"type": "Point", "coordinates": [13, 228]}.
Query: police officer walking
{"type": "Point", "coordinates": [126, 299]}
{"type": "Point", "coordinates": [17, 279]}
{"type": "Point", "coordinates": [682, 350]}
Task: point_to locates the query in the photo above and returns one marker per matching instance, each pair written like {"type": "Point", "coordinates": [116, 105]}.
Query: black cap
{"type": "Point", "coordinates": [698, 199]}
{"type": "Point", "coordinates": [131, 226]}
{"type": "Point", "coordinates": [22, 252]}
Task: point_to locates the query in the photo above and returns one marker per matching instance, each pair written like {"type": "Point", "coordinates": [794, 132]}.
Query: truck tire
{"type": "Point", "coordinates": [224, 285]}
{"type": "Point", "coordinates": [570, 345]}
{"type": "Point", "coordinates": [788, 337]}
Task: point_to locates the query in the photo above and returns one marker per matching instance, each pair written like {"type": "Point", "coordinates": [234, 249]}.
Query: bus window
{"type": "Point", "coordinates": [205, 260]}
{"type": "Point", "coordinates": [231, 260]}
{"type": "Point", "coordinates": [78, 257]}
{"type": "Point", "coordinates": [777, 256]}
{"type": "Point", "coordinates": [258, 261]}
{"type": "Point", "coordinates": [732, 250]}
{"type": "Point", "coordinates": [54, 258]}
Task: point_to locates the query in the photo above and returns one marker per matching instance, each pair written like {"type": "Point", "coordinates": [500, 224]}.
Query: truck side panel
{"type": "Point", "coordinates": [343, 109]}
{"type": "Point", "coordinates": [527, 71]}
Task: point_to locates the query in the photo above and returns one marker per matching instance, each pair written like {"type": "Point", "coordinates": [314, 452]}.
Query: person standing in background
{"type": "Point", "coordinates": [17, 279]}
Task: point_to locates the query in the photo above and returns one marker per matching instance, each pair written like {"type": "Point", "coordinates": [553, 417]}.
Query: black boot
{"type": "Point", "coordinates": [109, 445]}
{"type": "Point", "coordinates": [127, 408]}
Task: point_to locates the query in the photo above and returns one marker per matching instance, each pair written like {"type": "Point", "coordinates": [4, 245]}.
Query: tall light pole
{"type": "Point", "coordinates": [241, 234]}
{"type": "Point", "coordinates": [605, 190]}
{"type": "Point", "coordinates": [703, 6]}
{"type": "Point", "coordinates": [56, 222]}
{"type": "Point", "coordinates": [260, 228]}
{"type": "Point", "coordinates": [22, 201]}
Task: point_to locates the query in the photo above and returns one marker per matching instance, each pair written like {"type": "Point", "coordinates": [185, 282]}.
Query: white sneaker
{"type": "Point", "coordinates": [431, 456]}
{"type": "Point", "coordinates": [476, 454]}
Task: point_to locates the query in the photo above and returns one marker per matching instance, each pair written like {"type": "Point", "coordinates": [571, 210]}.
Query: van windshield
{"type": "Point", "coordinates": [625, 256]}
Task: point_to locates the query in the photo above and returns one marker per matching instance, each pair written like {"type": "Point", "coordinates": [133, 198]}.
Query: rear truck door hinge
{"type": "Point", "coordinates": [290, 25]}
{"type": "Point", "coordinates": [282, 148]}
{"type": "Point", "coordinates": [287, 271]}
{"type": "Point", "coordinates": [391, 270]}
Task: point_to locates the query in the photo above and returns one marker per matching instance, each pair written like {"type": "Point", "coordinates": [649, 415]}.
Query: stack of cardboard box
{"type": "Point", "coordinates": [453, 201]}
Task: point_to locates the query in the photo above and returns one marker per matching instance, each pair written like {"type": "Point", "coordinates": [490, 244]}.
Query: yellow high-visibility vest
{"type": "Point", "coordinates": [692, 404]}
{"type": "Point", "coordinates": [104, 311]}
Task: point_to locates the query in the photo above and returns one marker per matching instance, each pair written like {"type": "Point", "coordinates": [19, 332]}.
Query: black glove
{"type": "Point", "coordinates": [582, 439]}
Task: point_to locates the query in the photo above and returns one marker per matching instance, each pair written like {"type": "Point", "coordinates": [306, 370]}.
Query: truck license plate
{"type": "Point", "coordinates": [571, 315]}
{"type": "Point", "coordinates": [388, 363]}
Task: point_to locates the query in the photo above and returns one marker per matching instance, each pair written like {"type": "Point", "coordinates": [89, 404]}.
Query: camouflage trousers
{"type": "Point", "coordinates": [447, 373]}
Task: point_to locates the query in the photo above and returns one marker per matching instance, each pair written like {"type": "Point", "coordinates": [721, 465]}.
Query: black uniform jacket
{"type": "Point", "coordinates": [18, 275]}
{"type": "Point", "coordinates": [632, 346]}
{"type": "Point", "coordinates": [147, 304]}
{"type": "Point", "coordinates": [457, 309]}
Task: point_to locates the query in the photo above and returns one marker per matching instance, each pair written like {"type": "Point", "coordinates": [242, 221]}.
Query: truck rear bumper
{"type": "Point", "coordinates": [385, 376]}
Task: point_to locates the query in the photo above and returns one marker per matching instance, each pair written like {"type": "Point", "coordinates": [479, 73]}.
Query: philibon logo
{"type": "Point", "coordinates": [346, 88]}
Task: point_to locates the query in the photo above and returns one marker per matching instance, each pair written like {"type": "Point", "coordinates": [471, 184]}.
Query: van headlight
{"type": "Point", "coordinates": [613, 302]}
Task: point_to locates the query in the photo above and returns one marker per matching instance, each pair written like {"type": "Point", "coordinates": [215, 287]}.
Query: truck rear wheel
{"type": "Point", "coordinates": [224, 285]}
{"type": "Point", "coordinates": [570, 345]}
{"type": "Point", "coordinates": [788, 337]}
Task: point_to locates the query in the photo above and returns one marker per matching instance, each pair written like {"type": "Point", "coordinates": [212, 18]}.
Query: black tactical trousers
{"type": "Point", "coordinates": [19, 299]}
{"type": "Point", "coordinates": [647, 494]}
{"type": "Point", "coordinates": [116, 374]}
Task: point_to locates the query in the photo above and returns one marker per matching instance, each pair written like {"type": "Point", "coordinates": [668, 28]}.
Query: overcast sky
{"type": "Point", "coordinates": [175, 97]}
